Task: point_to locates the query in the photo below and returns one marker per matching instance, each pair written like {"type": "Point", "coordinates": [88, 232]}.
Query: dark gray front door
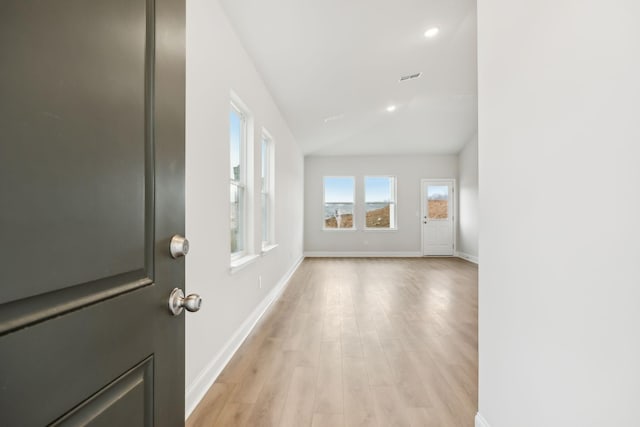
{"type": "Point", "coordinates": [91, 192]}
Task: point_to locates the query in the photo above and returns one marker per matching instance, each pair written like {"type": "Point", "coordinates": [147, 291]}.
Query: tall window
{"type": "Point", "coordinates": [267, 189]}
{"type": "Point", "coordinates": [238, 147]}
{"type": "Point", "coordinates": [380, 202]}
{"type": "Point", "coordinates": [339, 201]}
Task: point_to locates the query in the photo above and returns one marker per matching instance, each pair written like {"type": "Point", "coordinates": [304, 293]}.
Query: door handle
{"type": "Point", "coordinates": [178, 302]}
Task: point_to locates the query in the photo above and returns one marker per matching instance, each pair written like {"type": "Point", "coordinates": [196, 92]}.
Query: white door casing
{"type": "Point", "coordinates": [438, 209]}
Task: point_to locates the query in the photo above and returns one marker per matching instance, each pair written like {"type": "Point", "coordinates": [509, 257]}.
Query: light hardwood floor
{"type": "Point", "coordinates": [358, 342]}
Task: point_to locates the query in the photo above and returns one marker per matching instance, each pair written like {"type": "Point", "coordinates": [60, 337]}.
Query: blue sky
{"type": "Point", "coordinates": [378, 189]}
{"type": "Point", "coordinates": [236, 130]}
{"type": "Point", "coordinates": [340, 189]}
{"type": "Point", "coordinates": [437, 190]}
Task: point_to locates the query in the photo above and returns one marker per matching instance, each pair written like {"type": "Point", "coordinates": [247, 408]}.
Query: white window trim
{"type": "Point", "coordinates": [354, 228]}
{"type": "Point", "coordinates": [395, 204]}
{"type": "Point", "coordinates": [270, 243]}
{"type": "Point", "coordinates": [240, 258]}
{"type": "Point", "coordinates": [240, 263]}
{"type": "Point", "coordinates": [268, 248]}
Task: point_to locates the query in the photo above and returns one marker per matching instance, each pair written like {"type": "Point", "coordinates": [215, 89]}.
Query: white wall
{"type": "Point", "coordinates": [408, 170]}
{"type": "Point", "coordinates": [468, 200]}
{"type": "Point", "coordinates": [559, 146]}
{"type": "Point", "coordinates": [216, 64]}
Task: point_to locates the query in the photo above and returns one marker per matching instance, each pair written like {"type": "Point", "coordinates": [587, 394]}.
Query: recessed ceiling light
{"type": "Point", "coordinates": [334, 118]}
{"type": "Point", "coordinates": [431, 32]}
{"type": "Point", "coordinates": [391, 108]}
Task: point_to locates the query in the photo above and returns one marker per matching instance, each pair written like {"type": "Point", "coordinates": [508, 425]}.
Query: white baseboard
{"type": "Point", "coordinates": [210, 373]}
{"type": "Point", "coordinates": [480, 421]}
{"type": "Point", "coordinates": [363, 254]}
{"type": "Point", "coordinates": [471, 258]}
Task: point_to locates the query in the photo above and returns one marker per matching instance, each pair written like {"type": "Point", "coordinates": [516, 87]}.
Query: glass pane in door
{"type": "Point", "coordinates": [437, 202]}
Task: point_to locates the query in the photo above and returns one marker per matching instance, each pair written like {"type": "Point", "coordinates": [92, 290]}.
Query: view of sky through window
{"type": "Point", "coordinates": [338, 189]}
{"type": "Point", "coordinates": [379, 189]}
{"type": "Point", "coordinates": [236, 138]}
{"type": "Point", "coordinates": [437, 192]}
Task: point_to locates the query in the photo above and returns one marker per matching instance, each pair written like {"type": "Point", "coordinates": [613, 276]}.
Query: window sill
{"type": "Point", "coordinates": [384, 230]}
{"type": "Point", "coordinates": [268, 248]}
{"type": "Point", "coordinates": [240, 263]}
{"type": "Point", "coordinates": [339, 229]}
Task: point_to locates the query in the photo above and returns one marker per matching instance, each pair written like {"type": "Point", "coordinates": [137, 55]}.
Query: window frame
{"type": "Point", "coordinates": [324, 202]}
{"type": "Point", "coordinates": [394, 203]}
{"type": "Point", "coordinates": [241, 183]}
{"type": "Point", "coordinates": [267, 190]}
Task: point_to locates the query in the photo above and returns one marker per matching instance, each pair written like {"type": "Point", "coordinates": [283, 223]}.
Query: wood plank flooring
{"type": "Point", "coordinates": [358, 342]}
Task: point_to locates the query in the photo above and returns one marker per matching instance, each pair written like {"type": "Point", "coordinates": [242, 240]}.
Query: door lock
{"type": "Point", "coordinates": [179, 246]}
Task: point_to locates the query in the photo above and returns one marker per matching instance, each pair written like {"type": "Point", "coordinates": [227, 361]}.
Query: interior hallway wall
{"type": "Point", "coordinates": [217, 64]}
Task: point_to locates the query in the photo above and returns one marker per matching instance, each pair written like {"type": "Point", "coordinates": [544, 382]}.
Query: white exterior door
{"type": "Point", "coordinates": [437, 217]}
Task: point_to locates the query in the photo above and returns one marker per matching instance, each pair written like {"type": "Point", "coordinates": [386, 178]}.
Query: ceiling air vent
{"type": "Point", "coordinates": [410, 77]}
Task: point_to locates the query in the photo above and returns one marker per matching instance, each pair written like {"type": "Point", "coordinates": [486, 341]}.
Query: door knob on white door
{"type": "Point", "coordinates": [178, 302]}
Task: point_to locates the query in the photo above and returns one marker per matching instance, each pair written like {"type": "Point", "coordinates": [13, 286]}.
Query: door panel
{"type": "Point", "coordinates": [437, 217]}
{"type": "Point", "coordinates": [53, 366]}
{"type": "Point", "coordinates": [92, 189]}
{"type": "Point", "coordinates": [126, 401]}
{"type": "Point", "coordinates": [76, 126]}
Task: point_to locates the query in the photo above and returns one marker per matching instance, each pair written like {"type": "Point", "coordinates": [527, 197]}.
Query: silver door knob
{"type": "Point", "coordinates": [179, 246]}
{"type": "Point", "coordinates": [178, 302]}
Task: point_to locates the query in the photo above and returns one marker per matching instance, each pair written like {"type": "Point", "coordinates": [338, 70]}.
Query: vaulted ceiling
{"type": "Point", "coordinates": [333, 67]}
